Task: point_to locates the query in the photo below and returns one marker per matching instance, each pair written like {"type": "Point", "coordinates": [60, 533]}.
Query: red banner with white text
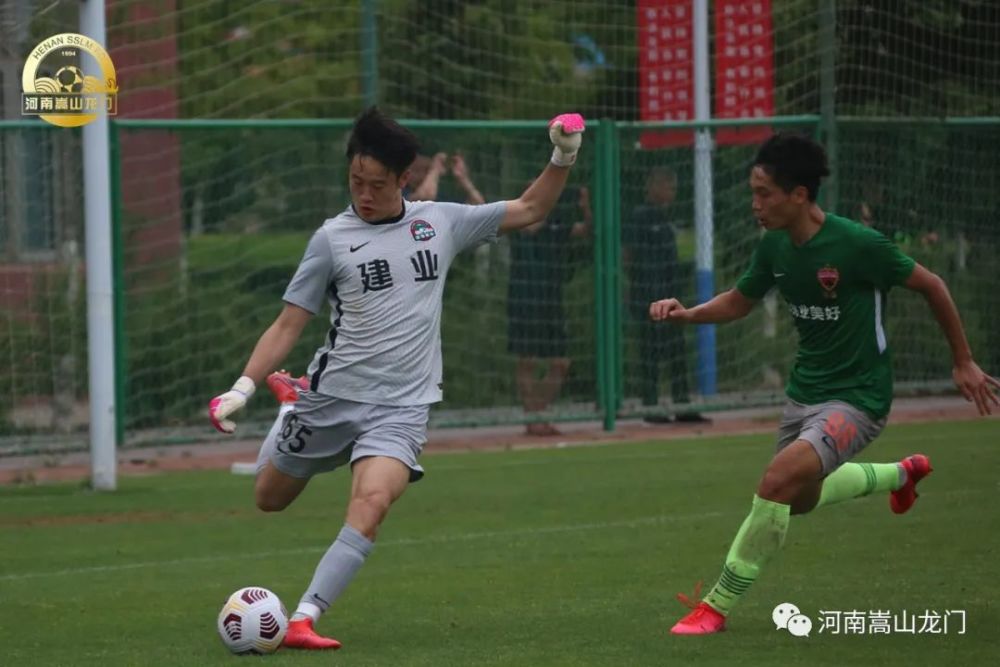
{"type": "Point", "coordinates": [666, 68]}
{"type": "Point", "coordinates": [744, 67]}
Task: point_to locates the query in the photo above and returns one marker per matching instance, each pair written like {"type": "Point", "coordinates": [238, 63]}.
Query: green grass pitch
{"type": "Point", "coordinates": [546, 557]}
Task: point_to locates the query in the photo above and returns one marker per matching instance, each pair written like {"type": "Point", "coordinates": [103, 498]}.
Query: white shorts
{"type": "Point", "coordinates": [321, 433]}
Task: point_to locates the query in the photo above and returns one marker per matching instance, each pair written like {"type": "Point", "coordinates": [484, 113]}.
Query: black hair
{"type": "Point", "coordinates": [376, 135]}
{"type": "Point", "coordinates": [792, 159]}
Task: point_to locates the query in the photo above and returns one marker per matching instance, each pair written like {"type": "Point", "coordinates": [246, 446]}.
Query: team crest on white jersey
{"type": "Point", "coordinates": [422, 230]}
{"type": "Point", "coordinates": [828, 278]}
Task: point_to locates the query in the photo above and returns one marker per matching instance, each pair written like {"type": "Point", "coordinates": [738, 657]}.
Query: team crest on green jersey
{"type": "Point", "coordinates": [828, 279]}
{"type": "Point", "coordinates": [422, 230]}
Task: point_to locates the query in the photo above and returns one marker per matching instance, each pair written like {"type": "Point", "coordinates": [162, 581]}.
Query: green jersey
{"type": "Point", "coordinates": [835, 286]}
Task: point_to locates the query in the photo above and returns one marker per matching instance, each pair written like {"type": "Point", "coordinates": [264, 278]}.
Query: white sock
{"type": "Point", "coordinates": [307, 610]}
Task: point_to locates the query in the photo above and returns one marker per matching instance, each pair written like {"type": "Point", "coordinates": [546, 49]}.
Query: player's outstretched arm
{"type": "Point", "coordinates": [975, 385]}
{"type": "Point", "coordinates": [566, 134]}
{"type": "Point", "coordinates": [725, 307]}
{"type": "Point", "coordinates": [271, 349]}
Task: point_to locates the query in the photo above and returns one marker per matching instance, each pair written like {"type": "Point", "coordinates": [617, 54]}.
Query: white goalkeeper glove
{"type": "Point", "coordinates": [566, 133]}
{"type": "Point", "coordinates": [222, 406]}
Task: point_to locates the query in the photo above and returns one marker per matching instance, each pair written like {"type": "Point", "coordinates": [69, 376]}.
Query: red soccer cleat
{"type": "Point", "coordinates": [917, 467]}
{"type": "Point", "coordinates": [704, 620]}
{"type": "Point", "coordinates": [301, 635]}
{"type": "Point", "coordinates": [286, 388]}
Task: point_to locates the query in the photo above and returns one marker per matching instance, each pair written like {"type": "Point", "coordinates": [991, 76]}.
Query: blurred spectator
{"type": "Point", "coordinates": [536, 320]}
{"type": "Point", "coordinates": [425, 178]}
{"type": "Point", "coordinates": [650, 252]}
{"type": "Point", "coordinates": [873, 212]}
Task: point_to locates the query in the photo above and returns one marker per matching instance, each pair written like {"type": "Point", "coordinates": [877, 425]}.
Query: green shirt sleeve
{"type": "Point", "coordinates": [758, 278]}
{"type": "Point", "coordinates": [883, 264]}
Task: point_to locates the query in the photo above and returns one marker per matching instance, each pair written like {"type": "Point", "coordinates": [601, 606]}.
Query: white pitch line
{"type": "Point", "coordinates": [403, 542]}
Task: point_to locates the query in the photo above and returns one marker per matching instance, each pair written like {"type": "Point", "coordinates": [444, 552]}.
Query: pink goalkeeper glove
{"type": "Point", "coordinates": [566, 133]}
{"type": "Point", "coordinates": [226, 404]}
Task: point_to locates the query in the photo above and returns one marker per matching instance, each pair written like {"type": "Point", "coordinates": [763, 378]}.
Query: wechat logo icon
{"type": "Point", "coordinates": [787, 616]}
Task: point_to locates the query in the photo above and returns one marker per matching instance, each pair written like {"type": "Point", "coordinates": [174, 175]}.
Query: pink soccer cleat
{"type": "Point", "coordinates": [917, 467]}
{"type": "Point", "coordinates": [301, 635]}
{"type": "Point", "coordinates": [286, 388]}
{"type": "Point", "coordinates": [704, 620]}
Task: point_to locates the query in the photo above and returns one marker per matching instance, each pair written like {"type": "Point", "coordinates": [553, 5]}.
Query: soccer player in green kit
{"type": "Point", "coordinates": [834, 274]}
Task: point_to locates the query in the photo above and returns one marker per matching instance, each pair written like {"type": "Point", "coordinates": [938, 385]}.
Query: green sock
{"type": "Point", "coordinates": [854, 480]}
{"type": "Point", "coordinates": [759, 538]}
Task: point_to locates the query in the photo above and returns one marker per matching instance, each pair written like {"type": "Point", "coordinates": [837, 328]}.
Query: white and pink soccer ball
{"type": "Point", "coordinates": [253, 620]}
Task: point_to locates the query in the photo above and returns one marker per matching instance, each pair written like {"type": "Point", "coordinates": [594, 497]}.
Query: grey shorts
{"type": "Point", "coordinates": [836, 430]}
{"type": "Point", "coordinates": [321, 433]}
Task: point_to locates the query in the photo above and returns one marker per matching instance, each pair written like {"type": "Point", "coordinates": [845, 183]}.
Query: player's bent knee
{"type": "Point", "coordinates": [269, 502]}
{"type": "Point", "coordinates": [793, 474]}
{"type": "Point", "coordinates": [367, 510]}
{"type": "Point", "coordinates": [274, 490]}
{"type": "Point", "coordinates": [805, 502]}
{"type": "Point", "coordinates": [375, 502]}
{"type": "Point", "coordinates": [779, 487]}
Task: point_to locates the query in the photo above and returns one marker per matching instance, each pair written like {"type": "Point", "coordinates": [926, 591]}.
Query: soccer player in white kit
{"type": "Point", "coordinates": [381, 264]}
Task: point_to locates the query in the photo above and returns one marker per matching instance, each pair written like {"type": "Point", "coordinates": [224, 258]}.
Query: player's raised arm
{"type": "Point", "coordinates": [271, 349]}
{"type": "Point", "coordinates": [975, 385]}
{"type": "Point", "coordinates": [566, 133]}
{"type": "Point", "coordinates": [725, 307]}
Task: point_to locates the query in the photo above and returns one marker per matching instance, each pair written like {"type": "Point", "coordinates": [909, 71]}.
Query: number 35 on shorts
{"type": "Point", "coordinates": [293, 434]}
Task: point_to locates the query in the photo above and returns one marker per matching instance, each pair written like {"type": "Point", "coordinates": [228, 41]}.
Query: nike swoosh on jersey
{"type": "Point", "coordinates": [355, 248]}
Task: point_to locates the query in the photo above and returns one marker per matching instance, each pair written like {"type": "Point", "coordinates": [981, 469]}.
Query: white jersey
{"type": "Point", "coordinates": [385, 282]}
